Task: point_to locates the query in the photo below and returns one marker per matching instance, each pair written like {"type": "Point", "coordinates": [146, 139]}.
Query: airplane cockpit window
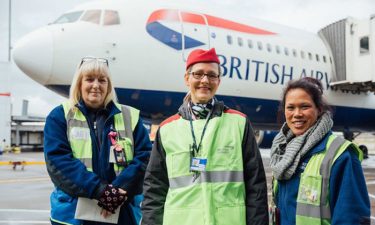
{"type": "Point", "coordinates": [111, 17]}
{"type": "Point", "coordinates": [364, 45]}
{"type": "Point", "coordinates": [68, 17]}
{"type": "Point", "coordinates": [92, 16]}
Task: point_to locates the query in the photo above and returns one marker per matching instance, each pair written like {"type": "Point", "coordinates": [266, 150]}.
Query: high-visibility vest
{"type": "Point", "coordinates": [217, 195]}
{"type": "Point", "coordinates": [313, 192]}
{"type": "Point", "coordinates": [78, 133]}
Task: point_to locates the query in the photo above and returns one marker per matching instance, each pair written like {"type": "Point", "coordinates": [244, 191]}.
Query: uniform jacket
{"type": "Point", "coordinates": [70, 176]}
{"type": "Point", "coordinates": [156, 182]}
{"type": "Point", "coordinates": [348, 196]}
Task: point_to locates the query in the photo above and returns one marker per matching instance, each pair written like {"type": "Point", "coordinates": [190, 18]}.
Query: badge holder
{"type": "Point", "coordinates": [117, 154]}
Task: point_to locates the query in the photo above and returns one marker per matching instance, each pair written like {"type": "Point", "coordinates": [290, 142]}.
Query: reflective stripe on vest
{"type": "Point", "coordinates": [312, 201]}
{"type": "Point", "coordinates": [78, 132]}
{"type": "Point", "coordinates": [201, 201]}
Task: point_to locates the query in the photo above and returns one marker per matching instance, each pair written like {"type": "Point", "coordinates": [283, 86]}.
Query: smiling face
{"type": "Point", "coordinates": [301, 112]}
{"type": "Point", "coordinates": [202, 90]}
{"type": "Point", "coordinates": [94, 89]}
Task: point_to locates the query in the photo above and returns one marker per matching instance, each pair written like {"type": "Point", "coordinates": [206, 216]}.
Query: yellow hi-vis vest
{"type": "Point", "coordinates": [78, 133]}
{"type": "Point", "coordinates": [217, 195]}
{"type": "Point", "coordinates": [313, 192]}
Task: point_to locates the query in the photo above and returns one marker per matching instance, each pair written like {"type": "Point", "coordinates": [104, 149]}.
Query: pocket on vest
{"type": "Point", "coordinates": [185, 216]}
{"type": "Point", "coordinates": [231, 215]}
{"type": "Point", "coordinates": [180, 164]}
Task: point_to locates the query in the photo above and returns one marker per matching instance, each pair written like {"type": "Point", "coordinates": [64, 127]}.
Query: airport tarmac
{"type": "Point", "coordinates": [24, 193]}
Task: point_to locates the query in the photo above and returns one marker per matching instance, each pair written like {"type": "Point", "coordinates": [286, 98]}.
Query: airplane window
{"type": "Point", "coordinates": [269, 47]}
{"type": "Point", "coordinates": [250, 43]}
{"type": "Point", "coordinates": [324, 59]}
{"type": "Point", "coordinates": [111, 17]}
{"type": "Point", "coordinates": [240, 42]}
{"type": "Point", "coordinates": [92, 16]}
{"type": "Point", "coordinates": [286, 51]}
{"type": "Point", "coordinates": [294, 52]}
{"type": "Point", "coordinates": [260, 46]}
{"type": "Point", "coordinates": [310, 55]}
{"type": "Point", "coordinates": [364, 45]}
{"type": "Point", "coordinates": [317, 57]}
{"type": "Point", "coordinates": [229, 39]}
{"type": "Point", "coordinates": [302, 54]}
{"type": "Point", "coordinates": [277, 49]}
{"type": "Point", "coordinates": [68, 17]}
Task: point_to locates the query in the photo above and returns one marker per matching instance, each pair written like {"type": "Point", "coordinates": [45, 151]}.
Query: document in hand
{"type": "Point", "coordinates": [88, 209]}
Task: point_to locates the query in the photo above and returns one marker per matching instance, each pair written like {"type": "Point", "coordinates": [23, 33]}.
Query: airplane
{"type": "Point", "coordinates": [147, 44]}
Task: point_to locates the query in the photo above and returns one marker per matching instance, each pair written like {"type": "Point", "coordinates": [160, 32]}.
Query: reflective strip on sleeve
{"type": "Point", "coordinates": [206, 177]}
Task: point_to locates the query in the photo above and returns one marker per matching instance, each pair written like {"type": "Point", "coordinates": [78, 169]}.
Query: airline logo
{"type": "Point", "coordinates": [173, 38]}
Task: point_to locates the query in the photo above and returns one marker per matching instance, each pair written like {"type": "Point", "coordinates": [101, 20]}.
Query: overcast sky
{"type": "Point", "coordinates": [27, 15]}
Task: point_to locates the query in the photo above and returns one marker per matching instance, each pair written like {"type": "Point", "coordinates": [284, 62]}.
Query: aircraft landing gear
{"type": "Point", "coordinates": [349, 135]}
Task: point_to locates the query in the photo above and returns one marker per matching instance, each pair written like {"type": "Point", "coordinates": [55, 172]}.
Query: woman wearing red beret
{"type": "Point", "coordinates": [205, 166]}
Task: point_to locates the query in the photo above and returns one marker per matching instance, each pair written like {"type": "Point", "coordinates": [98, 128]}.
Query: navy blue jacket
{"type": "Point", "coordinates": [348, 196]}
{"type": "Point", "coordinates": [70, 175]}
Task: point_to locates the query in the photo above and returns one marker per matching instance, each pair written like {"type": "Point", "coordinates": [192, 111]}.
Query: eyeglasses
{"type": "Point", "coordinates": [199, 75]}
{"type": "Point", "coordinates": [88, 59]}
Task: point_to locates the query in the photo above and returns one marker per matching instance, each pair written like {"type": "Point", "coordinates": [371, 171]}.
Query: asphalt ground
{"type": "Point", "coordinates": [24, 192]}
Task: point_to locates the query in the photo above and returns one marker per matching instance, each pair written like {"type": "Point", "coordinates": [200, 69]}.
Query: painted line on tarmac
{"type": "Point", "coordinates": [24, 222]}
{"type": "Point", "coordinates": [370, 182]}
{"type": "Point", "coordinates": [21, 162]}
{"type": "Point", "coordinates": [371, 196]}
{"type": "Point", "coordinates": [26, 210]}
{"type": "Point", "coordinates": [24, 180]}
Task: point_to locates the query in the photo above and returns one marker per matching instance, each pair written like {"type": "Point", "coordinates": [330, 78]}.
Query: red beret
{"type": "Point", "coordinates": [200, 55]}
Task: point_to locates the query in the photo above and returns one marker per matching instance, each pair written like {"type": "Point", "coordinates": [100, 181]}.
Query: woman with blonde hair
{"type": "Point", "coordinates": [96, 151]}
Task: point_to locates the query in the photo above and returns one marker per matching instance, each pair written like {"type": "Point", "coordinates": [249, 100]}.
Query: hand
{"type": "Point", "coordinates": [111, 199]}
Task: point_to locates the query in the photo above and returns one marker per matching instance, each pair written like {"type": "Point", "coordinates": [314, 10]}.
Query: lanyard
{"type": "Point", "coordinates": [195, 147]}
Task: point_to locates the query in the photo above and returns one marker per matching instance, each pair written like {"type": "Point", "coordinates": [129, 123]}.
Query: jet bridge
{"type": "Point", "coordinates": [351, 43]}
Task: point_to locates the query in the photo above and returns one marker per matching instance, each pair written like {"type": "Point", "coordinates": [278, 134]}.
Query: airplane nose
{"type": "Point", "coordinates": [33, 55]}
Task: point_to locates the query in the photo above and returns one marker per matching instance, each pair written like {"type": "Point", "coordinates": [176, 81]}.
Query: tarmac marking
{"type": "Point", "coordinates": [5, 163]}
{"type": "Point", "coordinates": [24, 180]}
{"type": "Point", "coordinates": [371, 196]}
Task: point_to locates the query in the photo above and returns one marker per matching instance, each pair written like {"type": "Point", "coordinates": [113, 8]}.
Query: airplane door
{"type": "Point", "coordinates": [195, 32]}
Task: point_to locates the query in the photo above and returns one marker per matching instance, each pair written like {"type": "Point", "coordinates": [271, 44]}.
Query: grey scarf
{"type": "Point", "coordinates": [288, 149]}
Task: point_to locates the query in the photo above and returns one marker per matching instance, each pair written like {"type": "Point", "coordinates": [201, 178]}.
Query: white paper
{"type": "Point", "coordinates": [88, 209]}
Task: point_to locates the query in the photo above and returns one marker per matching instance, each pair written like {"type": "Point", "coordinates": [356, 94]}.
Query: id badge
{"type": "Point", "coordinates": [198, 164]}
{"type": "Point", "coordinates": [117, 156]}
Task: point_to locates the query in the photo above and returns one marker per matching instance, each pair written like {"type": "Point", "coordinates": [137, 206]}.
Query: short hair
{"type": "Point", "coordinates": [93, 67]}
{"type": "Point", "coordinates": [187, 97]}
{"type": "Point", "coordinates": [312, 87]}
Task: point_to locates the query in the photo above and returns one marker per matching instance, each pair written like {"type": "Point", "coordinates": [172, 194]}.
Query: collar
{"type": "Point", "coordinates": [321, 146]}
{"type": "Point", "coordinates": [111, 108]}
{"type": "Point", "coordinates": [219, 107]}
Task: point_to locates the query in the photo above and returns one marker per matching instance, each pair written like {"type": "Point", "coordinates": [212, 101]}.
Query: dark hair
{"type": "Point", "coordinates": [311, 86]}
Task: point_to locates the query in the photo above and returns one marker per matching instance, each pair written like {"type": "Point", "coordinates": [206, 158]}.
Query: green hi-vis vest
{"type": "Point", "coordinates": [217, 195]}
{"type": "Point", "coordinates": [313, 192]}
{"type": "Point", "coordinates": [78, 133]}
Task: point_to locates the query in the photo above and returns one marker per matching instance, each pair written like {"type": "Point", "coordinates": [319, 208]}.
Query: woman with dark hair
{"type": "Point", "coordinates": [317, 176]}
